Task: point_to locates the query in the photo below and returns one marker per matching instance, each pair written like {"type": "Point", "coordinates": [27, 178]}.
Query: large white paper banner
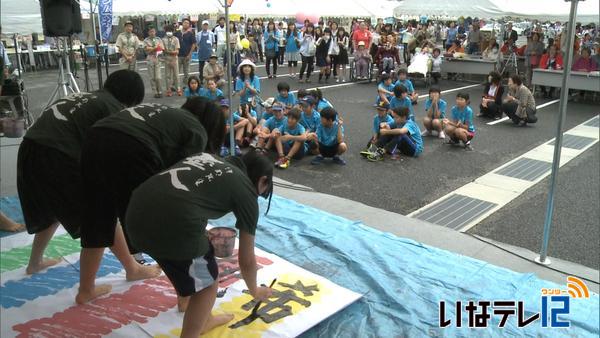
{"type": "Point", "coordinates": [42, 305]}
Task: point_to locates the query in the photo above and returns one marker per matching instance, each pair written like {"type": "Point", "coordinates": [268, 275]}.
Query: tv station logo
{"type": "Point", "coordinates": [553, 303]}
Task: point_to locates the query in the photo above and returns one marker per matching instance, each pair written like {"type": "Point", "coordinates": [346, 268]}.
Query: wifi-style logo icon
{"type": "Point", "coordinates": [577, 288]}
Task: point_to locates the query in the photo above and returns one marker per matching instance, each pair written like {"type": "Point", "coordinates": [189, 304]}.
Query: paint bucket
{"type": "Point", "coordinates": [13, 128]}
{"type": "Point", "coordinates": [223, 240]}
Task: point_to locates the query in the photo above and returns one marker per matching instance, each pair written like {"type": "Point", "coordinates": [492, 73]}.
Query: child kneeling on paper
{"type": "Point", "coordinates": [239, 126]}
{"type": "Point", "coordinates": [290, 140]}
{"type": "Point", "coordinates": [460, 127]}
{"type": "Point", "coordinates": [329, 138]}
{"type": "Point", "coordinates": [435, 109]}
{"type": "Point", "coordinates": [401, 136]}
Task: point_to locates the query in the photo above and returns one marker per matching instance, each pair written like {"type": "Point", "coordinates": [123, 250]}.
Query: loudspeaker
{"type": "Point", "coordinates": [60, 17]}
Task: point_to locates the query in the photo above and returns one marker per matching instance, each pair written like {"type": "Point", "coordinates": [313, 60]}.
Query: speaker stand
{"type": "Point", "coordinates": [66, 81]}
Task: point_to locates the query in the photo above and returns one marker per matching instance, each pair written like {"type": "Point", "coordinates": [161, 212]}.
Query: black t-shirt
{"type": "Point", "coordinates": [186, 41]}
{"type": "Point", "coordinates": [167, 215]}
{"type": "Point", "coordinates": [170, 133]}
{"type": "Point", "coordinates": [63, 125]}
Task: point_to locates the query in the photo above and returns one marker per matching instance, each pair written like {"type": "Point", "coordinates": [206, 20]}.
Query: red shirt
{"type": "Point", "coordinates": [360, 35]}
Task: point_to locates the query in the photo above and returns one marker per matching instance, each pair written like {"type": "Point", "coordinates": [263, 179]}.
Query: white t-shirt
{"type": "Point", "coordinates": [221, 32]}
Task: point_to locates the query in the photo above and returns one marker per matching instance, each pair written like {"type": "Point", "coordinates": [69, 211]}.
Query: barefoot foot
{"type": "Point", "coordinates": [143, 272]}
{"type": "Point", "coordinates": [85, 296]}
{"type": "Point", "coordinates": [31, 269]}
{"type": "Point", "coordinates": [182, 303]}
{"type": "Point", "coordinates": [218, 320]}
{"type": "Point", "coordinates": [12, 227]}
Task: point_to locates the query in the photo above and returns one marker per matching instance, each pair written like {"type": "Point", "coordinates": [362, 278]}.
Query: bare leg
{"type": "Point", "coordinates": [7, 224]}
{"type": "Point", "coordinates": [294, 150]}
{"type": "Point", "coordinates": [279, 147]}
{"type": "Point", "coordinates": [89, 264]}
{"type": "Point", "coordinates": [40, 242]}
{"type": "Point", "coordinates": [133, 270]}
{"type": "Point", "coordinates": [198, 319]}
{"type": "Point", "coordinates": [182, 303]}
{"type": "Point", "coordinates": [342, 148]}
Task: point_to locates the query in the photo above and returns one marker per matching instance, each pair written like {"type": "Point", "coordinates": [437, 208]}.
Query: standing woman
{"type": "Point", "coordinates": [282, 42]}
{"type": "Point", "coordinates": [343, 41]}
{"type": "Point", "coordinates": [257, 31]}
{"type": "Point", "coordinates": [334, 50]}
{"type": "Point", "coordinates": [322, 54]}
{"type": "Point", "coordinates": [292, 47]}
{"type": "Point", "coordinates": [307, 51]}
{"type": "Point", "coordinates": [533, 53]}
{"type": "Point", "coordinates": [271, 37]}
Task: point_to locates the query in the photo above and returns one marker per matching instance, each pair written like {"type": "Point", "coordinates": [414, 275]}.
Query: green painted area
{"type": "Point", "coordinates": [59, 246]}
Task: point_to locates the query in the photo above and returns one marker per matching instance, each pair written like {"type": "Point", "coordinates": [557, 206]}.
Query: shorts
{"type": "Point", "coordinates": [328, 151]}
{"type": "Point", "coordinates": [50, 188]}
{"type": "Point", "coordinates": [113, 164]}
{"type": "Point", "coordinates": [299, 155]}
{"type": "Point", "coordinates": [192, 275]}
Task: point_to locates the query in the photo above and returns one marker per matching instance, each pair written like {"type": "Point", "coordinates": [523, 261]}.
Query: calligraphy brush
{"type": "Point", "coordinates": [255, 309]}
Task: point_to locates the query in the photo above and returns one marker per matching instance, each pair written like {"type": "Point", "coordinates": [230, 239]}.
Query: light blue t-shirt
{"type": "Point", "coordinates": [323, 104]}
{"type": "Point", "coordinates": [298, 130]}
{"type": "Point", "coordinates": [310, 123]}
{"type": "Point", "coordinates": [188, 93]}
{"type": "Point", "coordinates": [288, 101]}
{"type": "Point", "coordinates": [245, 95]}
{"type": "Point", "coordinates": [266, 116]}
{"type": "Point", "coordinates": [290, 46]}
{"type": "Point", "coordinates": [328, 136]}
{"type": "Point", "coordinates": [464, 116]}
{"type": "Point", "coordinates": [406, 83]}
{"type": "Point", "coordinates": [274, 123]}
{"type": "Point", "coordinates": [441, 107]}
{"type": "Point", "coordinates": [389, 88]}
{"type": "Point", "coordinates": [236, 118]}
{"type": "Point", "coordinates": [378, 120]}
{"type": "Point", "coordinates": [271, 43]}
{"type": "Point", "coordinates": [403, 102]}
{"type": "Point", "coordinates": [415, 135]}
{"type": "Point", "coordinates": [204, 92]}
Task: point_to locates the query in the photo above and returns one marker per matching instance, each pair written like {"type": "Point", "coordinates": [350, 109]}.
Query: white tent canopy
{"type": "Point", "coordinates": [553, 10]}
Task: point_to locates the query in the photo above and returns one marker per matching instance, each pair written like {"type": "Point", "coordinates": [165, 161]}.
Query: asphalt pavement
{"type": "Point", "coordinates": [407, 184]}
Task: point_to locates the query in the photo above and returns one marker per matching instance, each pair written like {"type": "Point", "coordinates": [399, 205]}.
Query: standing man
{"type": "Point", "coordinates": [187, 44]}
{"type": "Point", "coordinates": [171, 44]}
{"type": "Point", "coordinates": [220, 33]}
{"type": "Point", "coordinates": [128, 44]}
{"type": "Point", "coordinates": [153, 45]}
{"type": "Point", "coordinates": [204, 41]}
{"type": "Point", "coordinates": [474, 38]}
{"type": "Point", "coordinates": [362, 34]}
{"type": "Point", "coordinates": [241, 27]}
{"type": "Point", "coordinates": [510, 34]}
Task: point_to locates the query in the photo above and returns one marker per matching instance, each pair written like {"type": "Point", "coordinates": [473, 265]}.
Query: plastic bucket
{"type": "Point", "coordinates": [13, 128]}
{"type": "Point", "coordinates": [223, 240]}
{"type": "Point", "coordinates": [90, 51]}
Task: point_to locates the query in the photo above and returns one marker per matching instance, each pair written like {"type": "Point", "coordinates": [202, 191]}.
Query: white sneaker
{"type": "Point", "coordinates": [426, 133]}
{"type": "Point", "coordinates": [434, 133]}
{"type": "Point", "coordinates": [442, 135]}
{"type": "Point", "coordinates": [337, 80]}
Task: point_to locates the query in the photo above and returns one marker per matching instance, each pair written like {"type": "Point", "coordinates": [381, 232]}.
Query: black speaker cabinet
{"type": "Point", "coordinates": [60, 17]}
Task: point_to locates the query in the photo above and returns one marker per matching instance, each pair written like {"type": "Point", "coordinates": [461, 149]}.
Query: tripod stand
{"type": "Point", "coordinates": [511, 62]}
{"type": "Point", "coordinates": [66, 81]}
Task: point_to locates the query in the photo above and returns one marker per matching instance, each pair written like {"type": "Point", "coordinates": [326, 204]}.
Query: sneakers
{"type": "Point", "coordinates": [282, 163]}
{"type": "Point", "coordinates": [442, 135]}
{"type": "Point", "coordinates": [338, 160]}
{"type": "Point", "coordinates": [238, 151]}
{"type": "Point", "coordinates": [370, 150]}
{"type": "Point", "coordinates": [468, 146]}
{"type": "Point", "coordinates": [377, 156]}
{"type": "Point", "coordinates": [425, 133]}
{"type": "Point", "coordinates": [224, 151]}
{"type": "Point", "coordinates": [317, 160]}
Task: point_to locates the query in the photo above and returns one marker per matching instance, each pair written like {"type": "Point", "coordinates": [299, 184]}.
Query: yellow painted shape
{"type": "Point", "coordinates": [257, 327]}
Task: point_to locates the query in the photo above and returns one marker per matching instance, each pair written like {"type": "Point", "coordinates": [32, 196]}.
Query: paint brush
{"type": "Point", "coordinates": [255, 309]}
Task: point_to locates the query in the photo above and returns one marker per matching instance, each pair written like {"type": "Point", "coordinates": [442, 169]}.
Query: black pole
{"type": "Point", "coordinates": [99, 66]}
{"type": "Point", "coordinates": [106, 60]}
{"type": "Point", "coordinates": [84, 60]}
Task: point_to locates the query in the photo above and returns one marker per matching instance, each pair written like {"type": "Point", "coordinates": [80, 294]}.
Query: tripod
{"type": "Point", "coordinates": [66, 81]}
{"type": "Point", "coordinates": [511, 62]}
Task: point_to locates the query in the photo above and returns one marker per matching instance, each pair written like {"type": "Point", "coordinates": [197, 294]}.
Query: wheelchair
{"type": "Point", "coordinates": [370, 70]}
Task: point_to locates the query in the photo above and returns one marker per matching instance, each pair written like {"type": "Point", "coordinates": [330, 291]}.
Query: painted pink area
{"type": "Point", "coordinates": [102, 316]}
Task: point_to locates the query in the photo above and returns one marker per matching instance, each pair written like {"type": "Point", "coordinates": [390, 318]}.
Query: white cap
{"type": "Point", "coordinates": [205, 22]}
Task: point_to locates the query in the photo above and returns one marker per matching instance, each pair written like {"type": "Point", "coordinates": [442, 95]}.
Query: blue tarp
{"type": "Point", "coordinates": [11, 207]}
{"type": "Point", "coordinates": [402, 280]}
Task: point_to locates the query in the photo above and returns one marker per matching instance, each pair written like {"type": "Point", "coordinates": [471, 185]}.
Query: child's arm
{"type": "Point", "coordinates": [297, 138]}
{"type": "Point", "coordinates": [397, 131]}
{"type": "Point", "coordinates": [340, 135]}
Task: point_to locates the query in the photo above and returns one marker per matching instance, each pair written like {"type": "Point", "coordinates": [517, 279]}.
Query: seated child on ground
{"type": "Point", "coordinates": [402, 79]}
{"type": "Point", "coordinates": [211, 92]}
{"type": "Point", "coordinates": [246, 112]}
{"type": "Point", "coordinates": [310, 119]}
{"type": "Point", "coordinates": [329, 138]}
{"type": "Point", "coordinates": [380, 120]}
{"type": "Point", "coordinates": [193, 87]}
{"type": "Point", "coordinates": [385, 89]}
{"type": "Point", "coordinates": [321, 101]}
{"type": "Point", "coordinates": [285, 97]}
{"type": "Point", "coordinates": [435, 111]}
{"type": "Point", "coordinates": [239, 126]}
{"type": "Point", "coordinates": [460, 127]}
{"type": "Point", "coordinates": [272, 127]}
{"type": "Point", "coordinates": [403, 136]}
{"type": "Point", "coordinates": [401, 99]}
{"type": "Point", "coordinates": [290, 140]}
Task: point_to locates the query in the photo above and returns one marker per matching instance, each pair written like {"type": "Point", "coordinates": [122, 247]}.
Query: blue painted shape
{"type": "Point", "coordinates": [403, 280]}
{"type": "Point", "coordinates": [17, 292]}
